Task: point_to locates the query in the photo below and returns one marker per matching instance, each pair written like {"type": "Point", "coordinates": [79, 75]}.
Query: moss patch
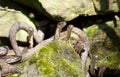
{"type": "Point", "coordinates": [105, 46]}
{"type": "Point", "coordinates": [57, 59]}
{"type": "Point", "coordinates": [14, 75]}
{"type": "Point", "coordinates": [112, 61]}
{"type": "Point", "coordinates": [90, 31]}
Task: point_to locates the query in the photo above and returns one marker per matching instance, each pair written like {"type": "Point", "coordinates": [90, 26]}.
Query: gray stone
{"type": "Point", "coordinates": [69, 9]}
{"type": "Point", "coordinates": [61, 10]}
{"type": "Point", "coordinates": [106, 6]}
{"type": "Point", "coordinates": [56, 59]}
{"type": "Point", "coordinates": [8, 17]}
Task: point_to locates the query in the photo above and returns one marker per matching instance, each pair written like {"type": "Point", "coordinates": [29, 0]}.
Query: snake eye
{"type": "Point", "coordinates": [82, 50]}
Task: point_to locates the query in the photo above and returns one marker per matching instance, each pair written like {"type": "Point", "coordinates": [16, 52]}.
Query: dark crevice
{"type": "Point", "coordinates": [86, 21]}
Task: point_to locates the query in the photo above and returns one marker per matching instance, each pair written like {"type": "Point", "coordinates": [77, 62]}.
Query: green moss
{"type": "Point", "coordinates": [55, 45]}
{"type": "Point", "coordinates": [57, 59]}
{"type": "Point", "coordinates": [43, 62]}
{"type": "Point", "coordinates": [64, 65]}
{"type": "Point", "coordinates": [14, 75]}
{"type": "Point", "coordinates": [21, 65]}
{"type": "Point", "coordinates": [32, 59]}
{"type": "Point", "coordinates": [46, 67]}
{"type": "Point", "coordinates": [112, 61]}
{"type": "Point", "coordinates": [90, 31]}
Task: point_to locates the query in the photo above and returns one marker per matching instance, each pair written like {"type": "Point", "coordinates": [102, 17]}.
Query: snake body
{"type": "Point", "coordinates": [82, 41]}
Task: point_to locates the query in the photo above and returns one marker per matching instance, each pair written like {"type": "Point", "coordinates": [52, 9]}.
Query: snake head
{"type": "Point", "coordinates": [3, 50]}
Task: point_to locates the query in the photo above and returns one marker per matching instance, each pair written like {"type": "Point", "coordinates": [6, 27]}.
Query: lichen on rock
{"type": "Point", "coordinates": [57, 59]}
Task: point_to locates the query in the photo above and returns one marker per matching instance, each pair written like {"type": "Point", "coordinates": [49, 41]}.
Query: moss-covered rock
{"type": "Point", "coordinates": [105, 39]}
{"type": "Point", "coordinates": [56, 59]}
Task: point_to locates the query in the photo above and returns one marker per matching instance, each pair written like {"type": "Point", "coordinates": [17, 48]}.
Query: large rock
{"type": "Point", "coordinates": [70, 9]}
{"type": "Point", "coordinates": [57, 59]}
{"type": "Point", "coordinates": [106, 6]}
{"type": "Point", "coordinates": [61, 10]}
{"type": "Point", "coordinates": [105, 39]}
{"type": "Point", "coordinates": [10, 16]}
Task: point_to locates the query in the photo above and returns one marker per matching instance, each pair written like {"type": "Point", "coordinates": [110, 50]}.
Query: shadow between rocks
{"type": "Point", "coordinates": [110, 32]}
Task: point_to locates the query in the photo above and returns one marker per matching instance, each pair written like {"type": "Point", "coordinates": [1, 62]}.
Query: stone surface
{"type": "Point", "coordinates": [106, 6]}
{"type": "Point", "coordinates": [61, 10]}
{"type": "Point", "coordinates": [105, 39]}
{"type": "Point", "coordinates": [70, 9]}
{"type": "Point", "coordinates": [8, 17]}
{"type": "Point", "coordinates": [56, 59]}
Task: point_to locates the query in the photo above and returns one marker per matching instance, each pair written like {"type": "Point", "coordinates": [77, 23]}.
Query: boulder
{"type": "Point", "coordinates": [106, 6]}
{"type": "Point", "coordinates": [70, 9]}
{"type": "Point", "coordinates": [61, 10]}
{"type": "Point", "coordinates": [105, 40]}
{"type": "Point", "coordinates": [10, 16]}
{"type": "Point", "coordinates": [56, 59]}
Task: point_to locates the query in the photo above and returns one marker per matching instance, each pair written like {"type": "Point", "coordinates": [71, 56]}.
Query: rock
{"type": "Point", "coordinates": [105, 39]}
{"type": "Point", "coordinates": [8, 17]}
{"type": "Point", "coordinates": [61, 10]}
{"type": "Point", "coordinates": [106, 6]}
{"type": "Point", "coordinates": [70, 9]}
{"type": "Point", "coordinates": [56, 59]}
